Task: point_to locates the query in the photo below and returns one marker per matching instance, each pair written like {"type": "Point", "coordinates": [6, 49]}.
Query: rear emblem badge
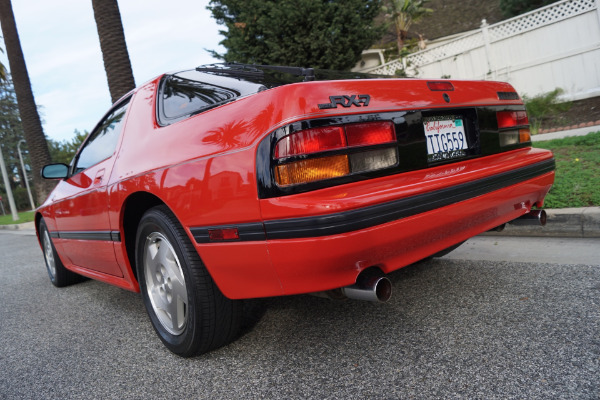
{"type": "Point", "coordinates": [358, 100]}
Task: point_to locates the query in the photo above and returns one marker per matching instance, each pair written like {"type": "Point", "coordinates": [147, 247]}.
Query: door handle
{"type": "Point", "coordinates": [99, 176]}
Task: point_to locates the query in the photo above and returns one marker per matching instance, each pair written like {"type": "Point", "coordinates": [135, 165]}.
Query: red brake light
{"type": "Point", "coordinates": [508, 119]}
{"type": "Point", "coordinates": [370, 133]}
{"type": "Point", "coordinates": [311, 141]}
{"type": "Point", "coordinates": [442, 86]}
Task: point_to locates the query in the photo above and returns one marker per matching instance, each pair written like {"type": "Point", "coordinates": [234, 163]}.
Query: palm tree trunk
{"type": "Point", "coordinates": [30, 119]}
{"type": "Point", "coordinates": [114, 49]}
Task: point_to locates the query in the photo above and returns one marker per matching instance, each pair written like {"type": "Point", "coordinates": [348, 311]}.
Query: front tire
{"type": "Point", "coordinates": [58, 274]}
{"type": "Point", "coordinates": [187, 310]}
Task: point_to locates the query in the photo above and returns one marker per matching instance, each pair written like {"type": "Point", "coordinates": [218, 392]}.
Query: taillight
{"type": "Point", "coordinates": [370, 133]}
{"type": "Point", "coordinates": [509, 119]}
{"type": "Point", "coordinates": [315, 169]}
{"type": "Point", "coordinates": [311, 141]}
{"type": "Point", "coordinates": [514, 127]}
{"type": "Point", "coordinates": [351, 147]}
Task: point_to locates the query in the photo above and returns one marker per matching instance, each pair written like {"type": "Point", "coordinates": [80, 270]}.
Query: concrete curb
{"type": "Point", "coordinates": [563, 222]}
{"type": "Point", "coordinates": [18, 227]}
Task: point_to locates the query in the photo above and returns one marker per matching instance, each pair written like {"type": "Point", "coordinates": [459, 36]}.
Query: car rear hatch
{"type": "Point", "coordinates": [347, 131]}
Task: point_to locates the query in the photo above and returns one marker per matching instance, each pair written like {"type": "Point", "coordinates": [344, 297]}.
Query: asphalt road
{"type": "Point", "coordinates": [455, 328]}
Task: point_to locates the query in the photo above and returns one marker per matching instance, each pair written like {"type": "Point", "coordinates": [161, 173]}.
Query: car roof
{"type": "Point", "coordinates": [276, 75]}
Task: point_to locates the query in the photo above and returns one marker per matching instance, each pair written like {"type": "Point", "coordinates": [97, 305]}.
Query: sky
{"type": "Point", "coordinates": [62, 52]}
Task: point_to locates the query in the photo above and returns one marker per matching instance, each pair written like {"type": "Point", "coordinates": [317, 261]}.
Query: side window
{"type": "Point", "coordinates": [184, 97]}
{"type": "Point", "coordinates": [103, 141]}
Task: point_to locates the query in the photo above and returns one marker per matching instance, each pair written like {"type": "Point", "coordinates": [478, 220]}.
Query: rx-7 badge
{"type": "Point", "coordinates": [358, 100]}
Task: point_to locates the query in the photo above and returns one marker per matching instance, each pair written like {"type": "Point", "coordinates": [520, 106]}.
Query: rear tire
{"type": "Point", "coordinates": [186, 308]}
{"type": "Point", "coordinates": [58, 274]}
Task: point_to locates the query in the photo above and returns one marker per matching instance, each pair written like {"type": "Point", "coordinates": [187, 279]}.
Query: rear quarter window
{"type": "Point", "coordinates": [182, 97]}
{"type": "Point", "coordinates": [188, 93]}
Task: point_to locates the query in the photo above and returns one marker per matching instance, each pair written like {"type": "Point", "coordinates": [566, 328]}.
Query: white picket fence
{"type": "Point", "coordinates": [554, 46]}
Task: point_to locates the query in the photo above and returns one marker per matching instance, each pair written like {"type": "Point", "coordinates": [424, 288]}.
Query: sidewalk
{"type": "Point", "coordinates": [540, 137]}
{"type": "Point", "coordinates": [22, 229]}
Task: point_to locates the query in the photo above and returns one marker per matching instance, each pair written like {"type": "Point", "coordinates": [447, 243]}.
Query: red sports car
{"type": "Point", "coordinates": [204, 187]}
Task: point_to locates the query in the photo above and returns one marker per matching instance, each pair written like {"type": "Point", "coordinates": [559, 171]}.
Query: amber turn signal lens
{"type": "Point", "coordinates": [312, 170]}
{"type": "Point", "coordinates": [524, 135]}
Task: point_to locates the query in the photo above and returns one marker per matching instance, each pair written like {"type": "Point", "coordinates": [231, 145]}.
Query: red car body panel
{"type": "Point", "coordinates": [305, 265]}
{"type": "Point", "coordinates": [204, 169]}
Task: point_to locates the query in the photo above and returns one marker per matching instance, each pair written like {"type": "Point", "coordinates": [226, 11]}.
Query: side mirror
{"type": "Point", "coordinates": [55, 171]}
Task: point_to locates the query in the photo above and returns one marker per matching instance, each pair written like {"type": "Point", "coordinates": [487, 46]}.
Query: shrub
{"type": "Point", "coordinates": [542, 108]}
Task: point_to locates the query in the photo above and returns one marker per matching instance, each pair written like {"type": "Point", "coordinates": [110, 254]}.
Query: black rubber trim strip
{"type": "Point", "coordinates": [349, 221]}
{"type": "Point", "coordinates": [107, 236]}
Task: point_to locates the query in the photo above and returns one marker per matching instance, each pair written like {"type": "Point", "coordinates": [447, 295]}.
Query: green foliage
{"type": "Point", "coordinates": [64, 151]}
{"type": "Point", "coordinates": [512, 8]}
{"type": "Point", "coordinates": [21, 198]}
{"type": "Point", "coordinates": [577, 182]}
{"type": "Point", "coordinates": [403, 14]}
{"type": "Point", "coordinates": [3, 72]}
{"type": "Point", "coordinates": [542, 108]}
{"type": "Point", "coordinates": [390, 50]}
{"type": "Point", "coordinates": [11, 133]}
{"type": "Point", "coordinates": [328, 34]}
{"type": "Point", "coordinates": [26, 216]}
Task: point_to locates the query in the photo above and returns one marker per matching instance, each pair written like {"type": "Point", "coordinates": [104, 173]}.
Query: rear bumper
{"type": "Point", "coordinates": [316, 264]}
{"type": "Point", "coordinates": [291, 255]}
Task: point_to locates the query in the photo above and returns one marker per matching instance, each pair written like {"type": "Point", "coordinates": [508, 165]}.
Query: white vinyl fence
{"type": "Point", "coordinates": [554, 46]}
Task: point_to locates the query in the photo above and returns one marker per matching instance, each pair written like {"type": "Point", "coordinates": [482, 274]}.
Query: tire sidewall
{"type": "Point", "coordinates": [43, 231]}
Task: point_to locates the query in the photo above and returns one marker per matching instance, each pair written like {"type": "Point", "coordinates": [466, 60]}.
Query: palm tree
{"type": "Point", "coordinates": [30, 119]}
{"type": "Point", "coordinates": [3, 73]}
{"type": "Point", "coordinates": [114, 49]}
{"type": "Point", "coordinates": [404, 13]}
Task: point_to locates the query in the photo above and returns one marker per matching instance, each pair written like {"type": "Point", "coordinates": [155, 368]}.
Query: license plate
{"type": "Point", "coordinates": [446, 138]}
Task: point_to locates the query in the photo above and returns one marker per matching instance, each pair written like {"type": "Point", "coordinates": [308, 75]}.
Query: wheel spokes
{"type": "Point", "coordinates": [165, 283]}
{"type": "Point", "coordinates": [49, 253]}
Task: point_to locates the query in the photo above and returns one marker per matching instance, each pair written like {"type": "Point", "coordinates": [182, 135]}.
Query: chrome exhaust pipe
{"type": "Point", "coordinates": [369, 286]}
{"type": "Point", "coordinates": [535, 217]}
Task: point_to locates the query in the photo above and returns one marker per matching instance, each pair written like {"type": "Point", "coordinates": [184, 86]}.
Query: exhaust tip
{"type": "Point", "coordinates": [535, 217]}
{"type": "Point", "coordinates": [371, 285]}
{"type": "Point", "coordinates": [543, 217]}
{"type": "Point", "coordinates": [383, 289]}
